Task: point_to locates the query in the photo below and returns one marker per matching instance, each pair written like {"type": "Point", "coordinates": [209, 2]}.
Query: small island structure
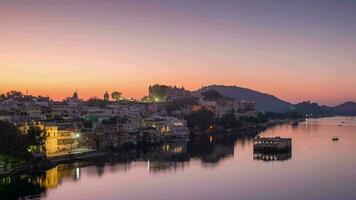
{"type": "Point", "coordinates": [272, 144]}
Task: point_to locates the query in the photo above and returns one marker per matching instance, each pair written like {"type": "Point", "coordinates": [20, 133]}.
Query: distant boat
{"type": "Point", "coordinates": [335, 139]}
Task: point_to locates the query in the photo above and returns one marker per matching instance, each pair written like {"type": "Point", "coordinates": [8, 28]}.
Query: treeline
{"type": "Point", "coordinates": [15, 144]}
{"type": "Point", "coordinates": [265, 116]}
{"type": "Point", "coordinates": [11, 94]}
{"type": "Point", "coordinates": [205, 119]}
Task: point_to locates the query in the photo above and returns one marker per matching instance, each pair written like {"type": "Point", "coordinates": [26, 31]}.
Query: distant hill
{"type": "Point", "coordinates": [307, 108]}
{"type": "Point", "coordinates": [264, 102]}
{"type": "Point", "coordinates": [348, 108]}
{"type": "Point", "coordinates": [269, 103]}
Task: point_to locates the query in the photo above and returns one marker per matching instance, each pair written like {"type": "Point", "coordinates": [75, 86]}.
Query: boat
{"type": "Point", "coordinates": [295, 123]}
{"type": "Point", "coordinates": [272, 144]}
{"type": "Point", "coordinates": [335, 139]}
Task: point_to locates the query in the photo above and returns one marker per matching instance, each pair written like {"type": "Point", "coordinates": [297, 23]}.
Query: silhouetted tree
{"type": "Point", "coordinates": [145, 98]}
{"type": "Point", "coordinates": [201, 119]}
{"type": "Point", "coordinates": [94, 101]}
{"type": "Point", "coordinates": [37, 137]}
{"type": "Point", "coordinates": [14, 94]}
{"type": "Point", "coordinates": [12, 141]}
{"type": "Point", "coordinates": [211, 95]}
{"type": "Point", "coordinates": [228, 121]}
{"type": "Point", "coordinates": [180, 103]}
{"type": "Point", "coordinates": [2, 97]}
{"type": "Point", "coordinates": [116, 95]}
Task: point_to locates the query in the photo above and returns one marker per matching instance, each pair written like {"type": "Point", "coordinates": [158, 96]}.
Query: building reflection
{"type": "Point", "coordinates": [170, 156]}
{"type": "Point", "coordinates": [272, 156]}
{"type": "Point", "coordinates": [212, 150]}
{"type": "Point", "coordinates": [35, 186]}
{"type": "Point", "coordinates": [56, 175]}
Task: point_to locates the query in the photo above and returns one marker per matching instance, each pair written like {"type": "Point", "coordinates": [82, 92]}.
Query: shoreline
{"type": "Point", "coordinates": [69, 158]}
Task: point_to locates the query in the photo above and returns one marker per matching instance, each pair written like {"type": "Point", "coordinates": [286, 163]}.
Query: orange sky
{"type": "Point", "coordinates": [293, 53]}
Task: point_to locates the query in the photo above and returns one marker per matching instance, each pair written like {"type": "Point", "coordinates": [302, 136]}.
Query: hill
{"type": "Point", "coordinates": [307, 108]}
{"type": "Point", "coordinates": [264, 102]}
{"type": "Point", "coordinates": [348, 108]}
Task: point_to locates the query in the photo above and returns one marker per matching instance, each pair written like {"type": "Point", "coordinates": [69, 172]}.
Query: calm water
{"type": "Point", "coordinates": [317, 168]}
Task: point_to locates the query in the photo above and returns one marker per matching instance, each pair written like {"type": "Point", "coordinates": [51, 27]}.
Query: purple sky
{"type": "Point", "coordinates": [296, 50]}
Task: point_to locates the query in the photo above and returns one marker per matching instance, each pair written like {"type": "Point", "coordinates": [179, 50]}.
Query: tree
{"type": "Point", "coordinates": [12, 141]}
{"type": "Point", "coordinates": [2, 97]}
{"type": "Point", "coordinates": [262, 117]}
{"type": "Point", "coordinates": [37, 137]}
{"type": "Point", "coordinates": [14, 94]}
{"type": "Point", "coordinates": [211, 95]}
{"type": "Point", "coordinates": [250, 120]}
{"type": "Point", "coordinates": [94, 101]}
{"type": "Point", "coordinates": [228, 121]}
{"type": "Point", "coordinates": [145, 98]}
{"type": "Point", "coordinates": [179, 103]}
{"type": "Point", "coordinates": [201, 119]}
{"type": "Point", "coordinates": [116, 95]}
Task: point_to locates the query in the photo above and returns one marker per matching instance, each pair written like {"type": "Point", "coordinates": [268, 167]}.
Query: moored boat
{"type": "Point", "coordinates": [272, 144]}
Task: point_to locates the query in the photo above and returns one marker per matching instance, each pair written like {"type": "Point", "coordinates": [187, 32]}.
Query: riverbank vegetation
{"type": "Point", "coordinates": [204, 120]}
{"type": "Point", "coordinates": [17, 147]}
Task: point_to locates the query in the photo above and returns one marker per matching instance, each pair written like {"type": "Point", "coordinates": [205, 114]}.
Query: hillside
{"type": "Point", "coordinates": [311, 109]}
{"type": "Point", "coordinates": [264, 102]}
{"type": "Point", "coordinates": [348, 108]}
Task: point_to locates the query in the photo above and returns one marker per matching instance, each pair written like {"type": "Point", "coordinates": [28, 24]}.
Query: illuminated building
{"type": "Point", "coordinates": [223, 106]}
{"type": "Point", "coordinates": [74, 100]}
{"type": "Point", "coordinates": [161, 93]}
{"type": "Point", "coordinates": [219, 107]}
{"type": "Point", "coordinates": [59, 140]}
{"type": "Point", "coordinates": [167, 126]}
{"type": "Point", "coordinates": [245, 109]}
{"type": "Point", "coordinates": [111, 136]}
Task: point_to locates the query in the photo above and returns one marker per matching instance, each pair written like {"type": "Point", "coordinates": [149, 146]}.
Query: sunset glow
{"type": "Point", "coordinates": [296, 51]}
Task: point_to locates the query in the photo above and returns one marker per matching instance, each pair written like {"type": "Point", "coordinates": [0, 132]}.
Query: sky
{"type": "Point", "coordinates": [296, 50]}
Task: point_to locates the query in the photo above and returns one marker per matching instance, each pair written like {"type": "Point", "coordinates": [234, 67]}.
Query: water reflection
{"type": "Point", "coordinates": [171, 156]}
{"type": "Point", "coordinates": [56, 175]}
{"type": "Point", "coordinates": [212, 150]}
{"type": "Point", "coordinates": [272, 156]}
{"type": "Point", "coordinates": [35, 186]}
{"type": "Point", "coordinates": [222, 167]}
{"type": "Point", "coordinates": [21, 187]}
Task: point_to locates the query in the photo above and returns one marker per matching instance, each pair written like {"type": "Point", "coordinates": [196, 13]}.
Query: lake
{"type": "Point", "coordinates": [317, 168]}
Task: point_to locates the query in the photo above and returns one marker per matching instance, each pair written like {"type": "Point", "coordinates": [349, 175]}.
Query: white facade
{"type": "Point", "coordinates": [167, 126]}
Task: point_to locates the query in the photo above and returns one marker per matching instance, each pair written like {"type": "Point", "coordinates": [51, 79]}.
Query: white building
{"type": "Point", "coordinates": [167, 126]}
{"type": "Point", "coordinates": [220, 107]}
